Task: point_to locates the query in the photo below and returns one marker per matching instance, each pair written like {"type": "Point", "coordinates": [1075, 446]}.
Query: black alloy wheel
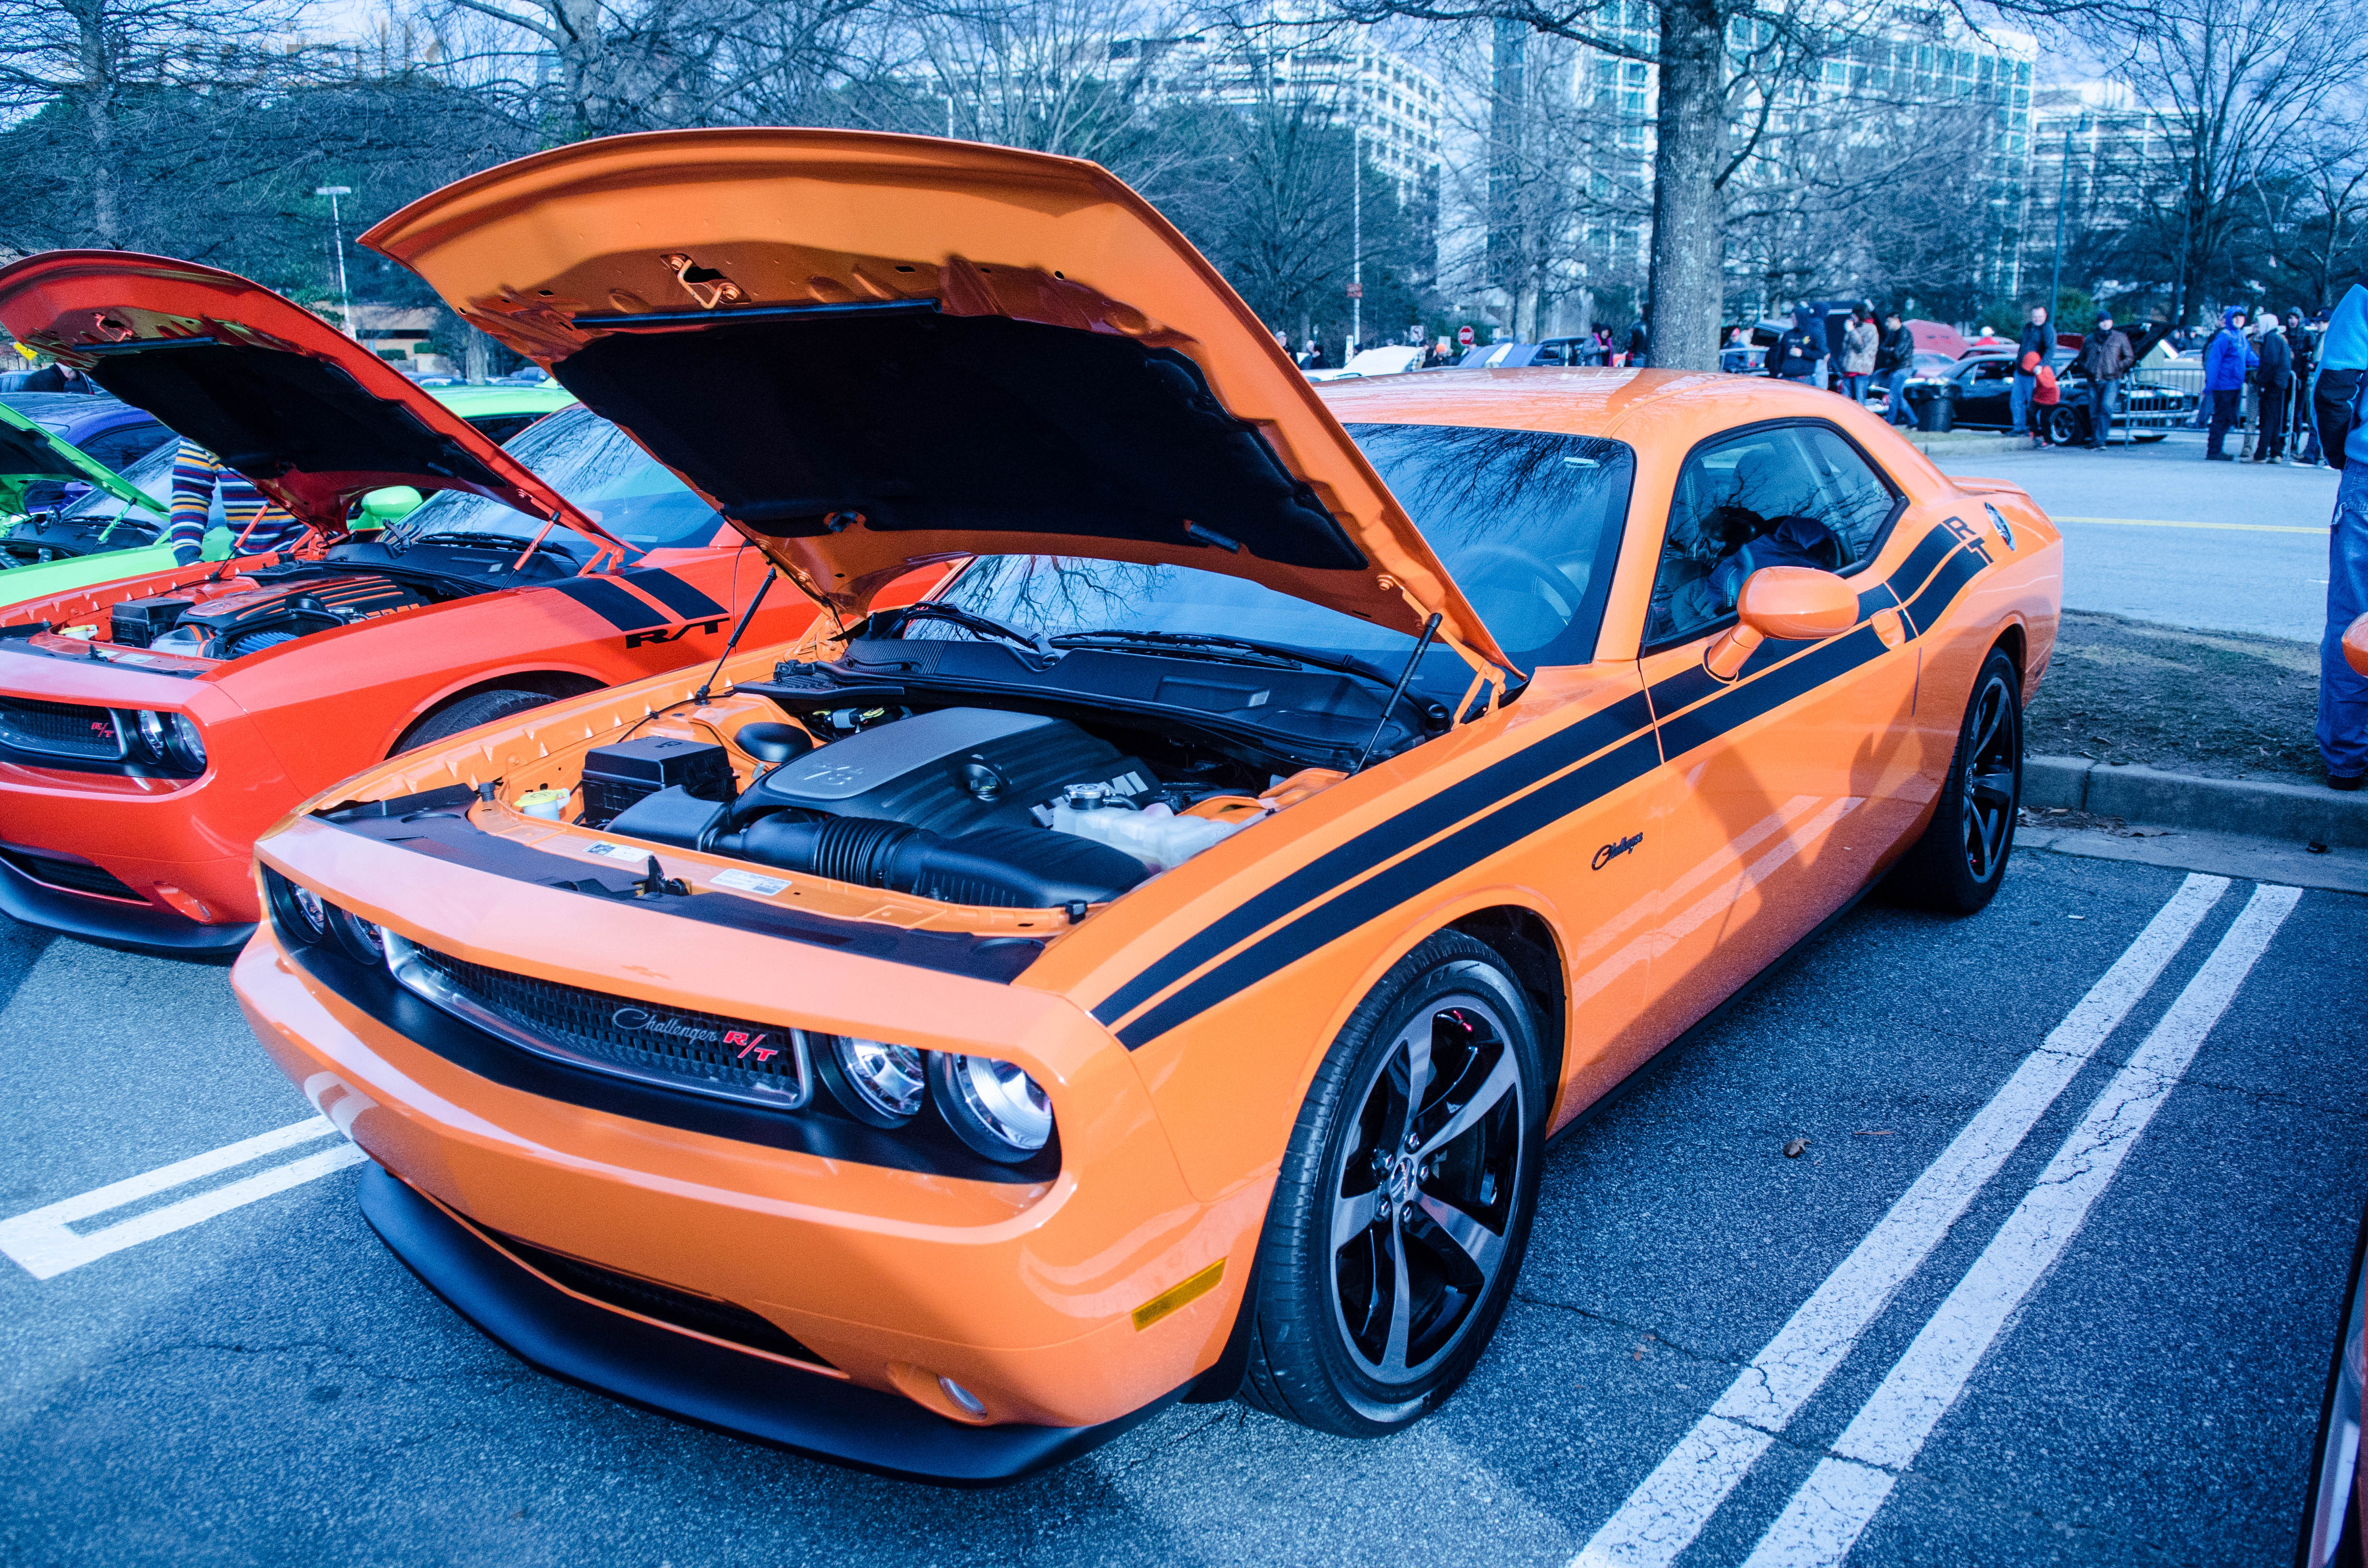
{"type": "Point", "coordinates": [1402, 1208]}
{"type": "Point", "coordinates": [1957, 864]}
{"type": "Point", "coordinates": [2065, 425]}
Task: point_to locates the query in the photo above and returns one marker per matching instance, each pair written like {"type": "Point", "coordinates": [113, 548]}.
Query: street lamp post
{"type": "Point", "coordinates": [1356, 223]}
{"type": "Point", "coordinates": [337, 232]}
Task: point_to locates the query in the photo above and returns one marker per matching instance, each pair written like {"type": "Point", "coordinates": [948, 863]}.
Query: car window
{"type": "Point", "coordinates": [119, 448]}
{"type": "Point", "coordinates": [1529, 522]}
{"type": "Point", "coordinates": [1994, 370]}
{"type": "Point", "coordinates": [594, 465]}
{"type": "Point", "coordinates": [1780, 495]}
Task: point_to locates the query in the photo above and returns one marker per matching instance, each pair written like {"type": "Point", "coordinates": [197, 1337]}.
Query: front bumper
{"type": "Point", "coordinates": [676, 1375]}
{"type": "Point", "coordinates": [118, 923]}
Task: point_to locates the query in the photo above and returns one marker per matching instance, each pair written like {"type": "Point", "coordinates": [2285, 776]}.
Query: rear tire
{"type": "Point", "coordinates": [1957, 865]}
{"type": "Point", "coordinates": [468, 713]}
{"type": "Point", "coordinates": [1397, 1230]}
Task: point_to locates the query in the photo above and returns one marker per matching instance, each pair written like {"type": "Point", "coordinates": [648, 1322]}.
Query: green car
{"type": "Point", "coordinates": [117, 529]}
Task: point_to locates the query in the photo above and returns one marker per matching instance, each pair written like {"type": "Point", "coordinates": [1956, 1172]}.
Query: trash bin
{"type": "Point", "coordinates": [1937, 410]}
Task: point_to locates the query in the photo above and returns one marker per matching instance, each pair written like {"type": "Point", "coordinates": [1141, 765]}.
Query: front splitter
{"type": "Point", "coordinates": [746, 1396]}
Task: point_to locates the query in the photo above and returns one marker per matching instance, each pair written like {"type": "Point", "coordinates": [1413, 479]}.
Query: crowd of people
{"type": "Point", "coordinates": [2275, 358]}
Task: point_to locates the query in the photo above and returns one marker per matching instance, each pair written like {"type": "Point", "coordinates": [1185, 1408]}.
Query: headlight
{"type": "Point", "coordinates": [300, 909]}
{"type": "Point", "coordinates": [151, 733]}
{"type": "Point", "coordinates": [876, 1083]}
{"type": "Point", "coordinates": [992, 1105]}
{"type": "Point", "coordinates": [359, 940]}
{"type": "Point", "coordinates": [187, 746]}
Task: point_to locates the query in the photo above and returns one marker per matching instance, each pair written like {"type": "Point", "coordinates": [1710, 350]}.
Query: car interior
{"type": "Point", "coordinates": [1776, 495]}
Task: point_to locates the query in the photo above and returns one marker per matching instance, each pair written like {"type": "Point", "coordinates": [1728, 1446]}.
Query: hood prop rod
{"type": "Point", "coordinates": [734, 641]}
{"type": "Point", "coordinates": [1421, 646]}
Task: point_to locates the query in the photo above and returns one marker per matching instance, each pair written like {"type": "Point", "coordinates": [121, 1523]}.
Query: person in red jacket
{"type": "Point", "coordinates": [2044, 395]}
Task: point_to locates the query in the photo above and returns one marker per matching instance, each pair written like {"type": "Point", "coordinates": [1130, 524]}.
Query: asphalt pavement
{"type": "Point", "coordinates": [2157, 533]}
{"type": "Point", "coordinates": [2056, 1280]}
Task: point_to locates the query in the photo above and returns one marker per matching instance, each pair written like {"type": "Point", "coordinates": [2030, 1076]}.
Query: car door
{"type": "Point", "coordinates": [1984, 393]}
{"type": "Point", "coordinates": [1782, 787]}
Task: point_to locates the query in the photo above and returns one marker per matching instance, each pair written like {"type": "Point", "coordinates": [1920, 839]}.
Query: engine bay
{"type": "Point", "coordinates": [977, 806]}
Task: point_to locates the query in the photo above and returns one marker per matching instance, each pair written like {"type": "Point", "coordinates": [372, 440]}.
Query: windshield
{"type": "Point", "coordinates": [1529, 523]}
{"type": "Point", "coordinates": [592, 463]}
{"type": "Point", "coordinates": [151, 475]}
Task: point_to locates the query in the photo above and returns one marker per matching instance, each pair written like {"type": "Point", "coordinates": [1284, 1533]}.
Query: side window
{"type": "Point", "coordinates": [1791, 495]}
{"type": "Point", "coordinates": [120, 448]}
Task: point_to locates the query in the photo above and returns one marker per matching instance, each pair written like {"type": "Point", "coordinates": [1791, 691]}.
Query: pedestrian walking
{"type": "Point", "coordinates": [2044, 395]}
{"type": "Point", "coordinates": [2105, 359]}
{"type": "Point", "coordinates": [258, 525]}
{"type": "Point", "coordinates": [1859, 340]}
{"type": "Point", "coordinates": [1895, 361]}
{"type": "Point", "coordinates": [1798, 351]}
{"type": "Point", "coordinates": [2226, 358]}
{"type": "Point", "coordinates": [2273, 384]}
{"type": "Point", "coordinates": [2036, 339]}
{"type": "Point", "coordinates": [1640, 345]}
{"type": "Point", "coordinates": [2339, 410]}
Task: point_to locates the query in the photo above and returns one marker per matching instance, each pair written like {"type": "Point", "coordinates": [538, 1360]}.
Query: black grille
{"type": "Point", "coordinates": [701, 1315]}
{"type": "Point", "coordinates": [59, 728]}
{"type": "Point", "coordinates": [71, 875]}
{"type": "Point", "coordinates": [699, 1050]}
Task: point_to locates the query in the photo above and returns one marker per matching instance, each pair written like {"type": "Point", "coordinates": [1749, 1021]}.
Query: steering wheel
{"type": "Point", "coordinates": [1483, 562]}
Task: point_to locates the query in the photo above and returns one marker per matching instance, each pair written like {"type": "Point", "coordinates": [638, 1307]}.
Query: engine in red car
{"type": "Point", "coordinates": [241, 615]}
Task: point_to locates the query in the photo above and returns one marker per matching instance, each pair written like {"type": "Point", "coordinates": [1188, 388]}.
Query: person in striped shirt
{"type": "Point", "coordinates": [257, 525]}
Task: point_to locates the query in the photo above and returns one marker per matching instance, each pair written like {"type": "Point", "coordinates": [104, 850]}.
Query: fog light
{"type": "Point", "coordinates": [875, 1082]}
{"type": "Point", "coordinates": [992, 1105]}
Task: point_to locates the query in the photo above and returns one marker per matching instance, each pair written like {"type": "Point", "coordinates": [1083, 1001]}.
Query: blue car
{"type": "Point", "coordinates": [115, 434]}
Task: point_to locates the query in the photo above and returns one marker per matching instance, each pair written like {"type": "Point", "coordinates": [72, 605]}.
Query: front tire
{"type": "Point", "coordinates": [1957, 865]}
{"type": "Point", "coordinates": [1402, 1208]}
{"type": "Point", "coordinates": [468, 713]}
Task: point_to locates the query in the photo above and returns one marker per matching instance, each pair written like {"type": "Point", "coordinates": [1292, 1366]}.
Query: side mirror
{"type": "Point", "coordinates": [1791, 604]}
{"type": "Point", "coordinates": [381, 508]}
{"type": "Point", "coordinates": [2355, 645]}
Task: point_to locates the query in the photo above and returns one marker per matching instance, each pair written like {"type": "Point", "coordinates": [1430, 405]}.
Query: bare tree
{"type": "Point", "coordinates": [2242, 88]}
{"type": "Point", "coordinates": [87, 62]}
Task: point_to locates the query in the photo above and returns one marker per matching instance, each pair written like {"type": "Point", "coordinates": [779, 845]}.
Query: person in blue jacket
{"type": "Point", "coordinates": [2225, 360]}
{"type": "Point", "coordinates": [2340, 411]}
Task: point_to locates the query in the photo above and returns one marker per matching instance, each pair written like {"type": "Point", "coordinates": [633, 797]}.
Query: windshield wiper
{"type": "Point", "coordinates": [952, 615]}
{"type": "Point", "coordinates": [1188, 642]}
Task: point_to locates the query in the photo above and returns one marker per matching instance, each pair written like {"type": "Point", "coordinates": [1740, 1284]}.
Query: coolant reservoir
{"type": "Point", "coordinates": [1156, 835]}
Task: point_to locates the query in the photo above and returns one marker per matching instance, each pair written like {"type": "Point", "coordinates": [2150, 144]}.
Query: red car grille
{"type": "Point", "coordinates": [59, 728]}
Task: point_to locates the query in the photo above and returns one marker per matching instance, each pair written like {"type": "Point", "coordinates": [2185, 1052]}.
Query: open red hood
{"type": "Point", "coordinates": [874, 351]}
{"type": "Point", "coordinates": [311, 416]}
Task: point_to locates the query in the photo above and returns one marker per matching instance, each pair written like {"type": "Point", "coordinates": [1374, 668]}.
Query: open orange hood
{"type": "Point", "coordinates": [876, 351]}
{"type": "Point", "coordinates": [312, 417]}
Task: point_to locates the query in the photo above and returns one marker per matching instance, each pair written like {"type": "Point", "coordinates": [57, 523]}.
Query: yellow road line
{"type": "Point", "coordinates": [2159, 523]}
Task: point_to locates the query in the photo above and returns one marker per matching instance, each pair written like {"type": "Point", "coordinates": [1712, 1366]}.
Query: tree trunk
{"type": "Point", "coordinates": [98, 95]}
{"type": "Point", "coordinates": [1687, 281]}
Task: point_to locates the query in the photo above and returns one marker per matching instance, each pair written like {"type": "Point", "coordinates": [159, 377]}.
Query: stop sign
{"type": "Point", "coordinates": [1464, 336]}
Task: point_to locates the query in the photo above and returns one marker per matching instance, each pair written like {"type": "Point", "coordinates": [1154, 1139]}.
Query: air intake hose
{"type": "Point", "coordinates": [1007, 868]}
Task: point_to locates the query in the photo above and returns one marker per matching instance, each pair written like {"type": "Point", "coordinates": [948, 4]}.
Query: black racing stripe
{"type": "Point", "coordinates": [1772, 652]}
{"type": "Point", "coordinates": [610, 603]}
{"type": "Point", "coordinates": [1683, 689]}
{"type": "Point", "coordinates": [1877, 599]}
{"type": "Point", "coordinates": [1922, 562]}
{"type": "Point", "coordinates": [675, 594]}
{"type": "Point", "coordinates": [1441, 862]}
{"type": "Point", "coordinates": [1328, 870]}
{"type": "Point", "coordinates": [1924, 611]}
{"type": "Point", "coordinates": [1743, 703]}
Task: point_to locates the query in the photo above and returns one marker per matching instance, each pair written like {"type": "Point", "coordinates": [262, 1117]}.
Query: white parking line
{"type": "Point", "coordinates": [43, 1242]}
{"type": "Point", "coordinates": [1841, 1497]}
{"type": "Point", "coordinates": [1671, 1506]}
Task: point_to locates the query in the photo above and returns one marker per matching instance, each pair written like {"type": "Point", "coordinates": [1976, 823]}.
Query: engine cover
{"type": "Point", "coordinates": [229, 626]}
{"type": "Point", "coordinates": [955, 771]}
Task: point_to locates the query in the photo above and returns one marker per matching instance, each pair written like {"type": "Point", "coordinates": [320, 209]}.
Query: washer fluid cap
{"type": "Point", "coordinates": [544, 803]}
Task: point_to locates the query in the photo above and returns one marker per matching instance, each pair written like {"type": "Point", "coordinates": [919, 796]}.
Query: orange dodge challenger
{"type": "Point", "coordinates": [149, 728]}
{"type": "Point", "coordinates": [1150, 967]}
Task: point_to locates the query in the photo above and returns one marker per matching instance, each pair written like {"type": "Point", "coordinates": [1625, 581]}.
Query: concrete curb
{"type": "Point", "coordinates": [2295, 813]}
